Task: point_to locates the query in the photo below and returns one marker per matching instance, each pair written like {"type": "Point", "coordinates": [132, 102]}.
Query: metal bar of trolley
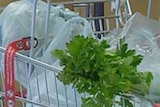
{"type": "Point", "coordinates": [32, 34]}
{"type": "Point", "coordinates": [102, 17]}
{"type": "Point", "coordinates": [129, 7]}
{"type": "Point", "coordinates": [34, 61]}
{"type": "Point", "coordinates": [81, 2]}
{"type": "Point", "coordinates": [149, 8]}
{"type": "Point", "coordinates": [2, 95]}
{"type": "Point", "coordinates": [101, 32]}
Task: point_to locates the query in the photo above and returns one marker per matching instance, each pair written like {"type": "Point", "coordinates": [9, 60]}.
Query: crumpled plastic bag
{"type": "Point", "coordinates": [16, 24]}
{"type": "Point", "coordinates": [16, 18]}
{"type": "Point", "coordinates": [73, 27]}
{"type": "Point", "coordinates": [113, 37]}
{"type": "Point", "coordinates": [66, 13]}
{"type": "Point", "coordinates": [142, 34]}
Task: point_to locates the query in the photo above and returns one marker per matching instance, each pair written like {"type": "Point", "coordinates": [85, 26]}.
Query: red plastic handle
{"type": "Point", "coordinates": [11, 49]}
{"type": "Point", "coordinates": [156, 105]}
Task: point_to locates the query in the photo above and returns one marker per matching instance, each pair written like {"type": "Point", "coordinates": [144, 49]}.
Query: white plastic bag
{"type": "Point", "coordinates": [16, 20]}
{"type": "Point", "coordinates": [16, 24]}
{"type": "Point", "coordinates": [140, 28]}
{"type": "Point", "coordinates": [73, 27]}
{"type": "Point", "coordinates": [142, 34]}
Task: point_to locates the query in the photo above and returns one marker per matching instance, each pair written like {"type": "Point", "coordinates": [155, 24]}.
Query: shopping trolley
{"type": "Point", "coordinates": [23, 95]}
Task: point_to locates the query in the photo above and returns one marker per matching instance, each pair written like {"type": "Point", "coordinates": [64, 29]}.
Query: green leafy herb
{"type": "Point", "coordinates": [92, 68]}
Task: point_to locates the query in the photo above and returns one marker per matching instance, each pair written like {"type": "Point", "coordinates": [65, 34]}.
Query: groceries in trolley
{"type": "Point", "coordinates": [53, 32]}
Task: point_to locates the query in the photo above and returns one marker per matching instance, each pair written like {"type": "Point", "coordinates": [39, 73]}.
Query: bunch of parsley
{"type": "Point", "coordinates": [92, 68]}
